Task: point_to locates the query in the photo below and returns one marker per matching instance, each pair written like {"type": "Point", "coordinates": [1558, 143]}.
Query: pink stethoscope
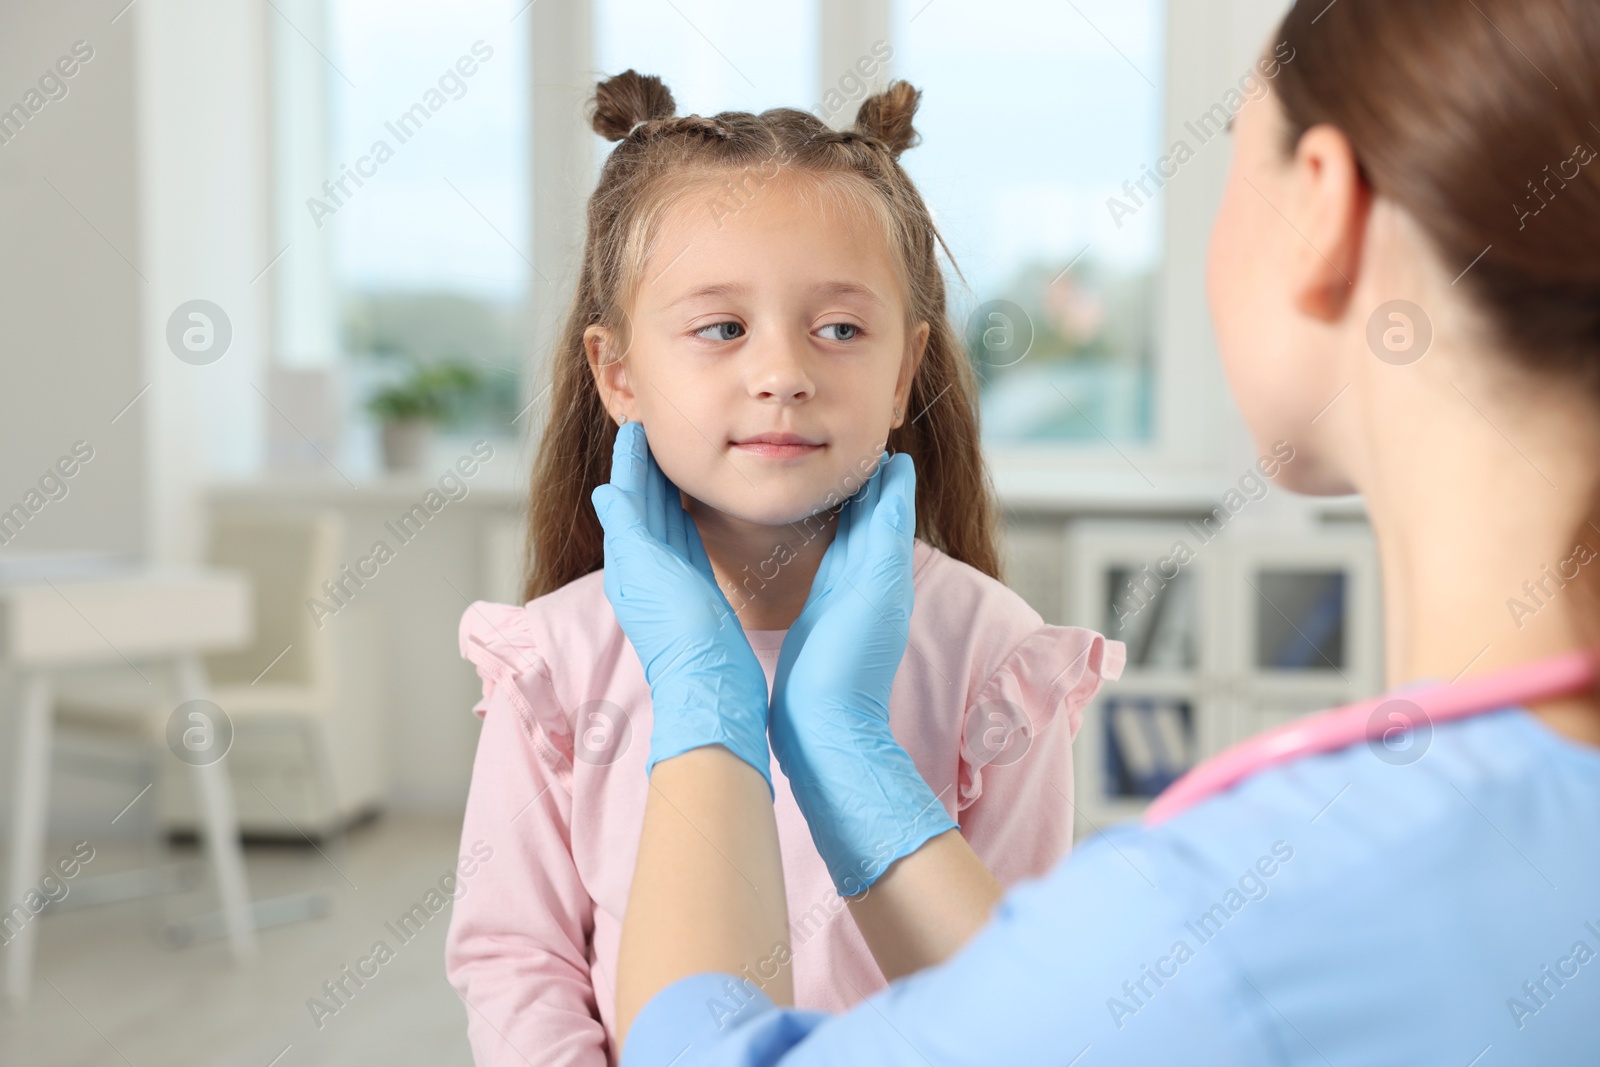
{"type": "Point", "coordinates": [1554, 676]}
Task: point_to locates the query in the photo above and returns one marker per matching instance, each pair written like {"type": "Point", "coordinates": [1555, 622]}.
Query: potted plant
{"type": "Point", "coordinates": [408, 410]}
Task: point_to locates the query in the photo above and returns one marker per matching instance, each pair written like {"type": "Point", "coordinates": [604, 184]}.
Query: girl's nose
{"type": "Point", "coordinates": [778, 369]}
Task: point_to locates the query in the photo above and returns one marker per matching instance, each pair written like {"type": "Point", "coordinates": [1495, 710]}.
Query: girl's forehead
{"type": "Point", "coordinates": [723, 200]}
{"type": "Point", "coordinates": [832, 239]}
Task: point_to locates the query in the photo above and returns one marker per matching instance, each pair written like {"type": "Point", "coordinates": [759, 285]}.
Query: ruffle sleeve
{"type": "Point", "coordinates": [500, 642]}
{"type": "Point", "coordinates": [517, 948]}
{"type": "Point", "coordinates": [1046, 680]}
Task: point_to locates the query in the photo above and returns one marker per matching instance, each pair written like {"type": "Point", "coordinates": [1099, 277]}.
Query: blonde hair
{"type": "Point", "coordinates": [661, 159]}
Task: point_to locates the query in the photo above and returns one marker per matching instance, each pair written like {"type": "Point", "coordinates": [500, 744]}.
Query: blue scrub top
{"type": "Point", "coordinates": [1342, 909]}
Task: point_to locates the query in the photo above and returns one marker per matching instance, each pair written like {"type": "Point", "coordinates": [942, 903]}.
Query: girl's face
{"type": "Point", "coordinates": [769, 355]}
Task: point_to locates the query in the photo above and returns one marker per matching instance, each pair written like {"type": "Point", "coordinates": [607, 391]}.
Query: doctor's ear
{"type": "Point", "coordinates": [602, 349]}
{"type": "Point", "coordinates": [1332, 203]}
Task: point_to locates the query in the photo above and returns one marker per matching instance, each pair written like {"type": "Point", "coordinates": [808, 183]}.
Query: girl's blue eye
{"type": "Point", "coordinates": [720, 327]}
{"type": "Point", "coordinates": [843, 326]}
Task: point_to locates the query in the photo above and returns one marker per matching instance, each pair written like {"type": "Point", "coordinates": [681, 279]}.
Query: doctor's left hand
{"type": "Point", "coordinates": [706, 686]}
{"type": "Point", "coordinates": [863, 798]}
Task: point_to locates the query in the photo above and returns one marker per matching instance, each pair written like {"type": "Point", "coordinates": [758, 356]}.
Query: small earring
{"type": "Point", "coordinates": [897, 413]}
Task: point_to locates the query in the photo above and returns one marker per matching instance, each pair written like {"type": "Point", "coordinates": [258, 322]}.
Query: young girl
{"type": "Point", "coordinates": [762, 294]}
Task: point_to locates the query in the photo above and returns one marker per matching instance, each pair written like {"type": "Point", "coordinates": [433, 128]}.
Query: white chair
{"type": "Point", "coordinates": [302, 680]}
{"type": "Point", "coordinates": [287, 682]}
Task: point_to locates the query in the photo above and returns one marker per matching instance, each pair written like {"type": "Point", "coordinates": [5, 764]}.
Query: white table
{"type": "Point", "coordinates": [58, 613]}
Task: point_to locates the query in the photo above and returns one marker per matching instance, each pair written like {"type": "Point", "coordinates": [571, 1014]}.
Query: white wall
{"type": "Point", "coordinates": [71, 290]}
{"type": "Point", "coordinates": [73, 280]}
{"type": "Point", "coordinates": [141, 188]}
{"type": "Point", "coordinates": [202, 121]}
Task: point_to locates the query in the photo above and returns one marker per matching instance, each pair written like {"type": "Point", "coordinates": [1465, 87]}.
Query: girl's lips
{"type": "Point", "coordinates": [776, 451]}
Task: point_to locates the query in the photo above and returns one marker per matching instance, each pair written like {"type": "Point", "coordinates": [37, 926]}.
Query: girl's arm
{"type": "Point", "coordinates": [707, 891]}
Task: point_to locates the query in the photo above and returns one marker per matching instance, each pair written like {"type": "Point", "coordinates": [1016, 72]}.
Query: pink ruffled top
{"type": "Point", "coordinates": [987, 701]}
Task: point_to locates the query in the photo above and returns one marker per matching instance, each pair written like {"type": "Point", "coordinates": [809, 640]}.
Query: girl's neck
{"type": "Point", "coordinates": [764, 571]}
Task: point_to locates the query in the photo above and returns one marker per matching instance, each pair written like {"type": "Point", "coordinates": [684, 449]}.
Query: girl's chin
{"type": "Point", "coordinates": [784, 513]}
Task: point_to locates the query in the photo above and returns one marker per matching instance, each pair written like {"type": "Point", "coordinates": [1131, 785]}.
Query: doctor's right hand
{"type": "Point", "coordinates": [706, 685]}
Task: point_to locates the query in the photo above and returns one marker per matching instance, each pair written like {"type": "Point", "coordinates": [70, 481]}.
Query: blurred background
{"type": "Point", "coordinates": [277, 285]}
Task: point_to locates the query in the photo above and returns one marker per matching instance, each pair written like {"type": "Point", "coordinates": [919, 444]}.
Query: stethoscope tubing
{"type": "Point", "coordinates": [1340, 727]}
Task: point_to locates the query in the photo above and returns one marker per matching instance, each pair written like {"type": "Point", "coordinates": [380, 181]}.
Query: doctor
{"type": "Point", "coordinates": [1405, 281]}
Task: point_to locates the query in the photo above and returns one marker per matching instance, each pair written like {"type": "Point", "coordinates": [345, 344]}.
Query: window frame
{"type": "Point", "coordinates": [1191, 440]}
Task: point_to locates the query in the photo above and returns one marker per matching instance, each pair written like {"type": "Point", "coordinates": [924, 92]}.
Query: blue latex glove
{"type": "Point", "coordinates": [706, 686]}
{"type": "Point", "coordinates": [862, 796]}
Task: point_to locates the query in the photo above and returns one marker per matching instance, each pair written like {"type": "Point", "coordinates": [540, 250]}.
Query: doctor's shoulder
{"type": "Point", "coordinates": [1389, 787]}
{"type": "Point", "coordinates": [1410, 891]}
{"type": "Point", "coordinates": [1375, 802]}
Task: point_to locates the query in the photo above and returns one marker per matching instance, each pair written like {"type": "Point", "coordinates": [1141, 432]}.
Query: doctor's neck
{"type": "Point", "coordinates": [1479, 476]}
{"type": "Point", "coordinates": [1478, 487]}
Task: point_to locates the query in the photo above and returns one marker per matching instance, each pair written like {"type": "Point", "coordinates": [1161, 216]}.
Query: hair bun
{"type": "Point", "coordinates": [887, 116]}
{"type": "Point", "coordinates": [622, 102]}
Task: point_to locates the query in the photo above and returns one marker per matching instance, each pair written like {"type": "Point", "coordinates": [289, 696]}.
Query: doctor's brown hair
{"type": "Point", "coordinates": [1480, 120]}
{"type": "Point", "coordinates": [664, 160]}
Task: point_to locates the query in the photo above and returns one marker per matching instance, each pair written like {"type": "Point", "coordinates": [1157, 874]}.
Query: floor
{"type": "Point", "coordinates": [110, 990]}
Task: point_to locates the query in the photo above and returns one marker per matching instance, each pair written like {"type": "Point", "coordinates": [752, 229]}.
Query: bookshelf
{"type": "Point", "coordinates": [1227, 636]}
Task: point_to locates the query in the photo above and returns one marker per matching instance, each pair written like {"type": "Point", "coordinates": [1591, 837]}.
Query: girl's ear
{"type": "Point", "coordinates": [916, 349]}
{"type": "Point", "coordinates": [610, 373]}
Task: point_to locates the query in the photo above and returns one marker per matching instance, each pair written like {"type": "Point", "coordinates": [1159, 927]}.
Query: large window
{"type": "Point", "coordinates": [1034, 114]}
{"type": "Point", "coordinates": [430, 253]}
{"type": "Point", "coordinates": [715, 55]}
{"type": "Point", "coordinates": [1045, 132]}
